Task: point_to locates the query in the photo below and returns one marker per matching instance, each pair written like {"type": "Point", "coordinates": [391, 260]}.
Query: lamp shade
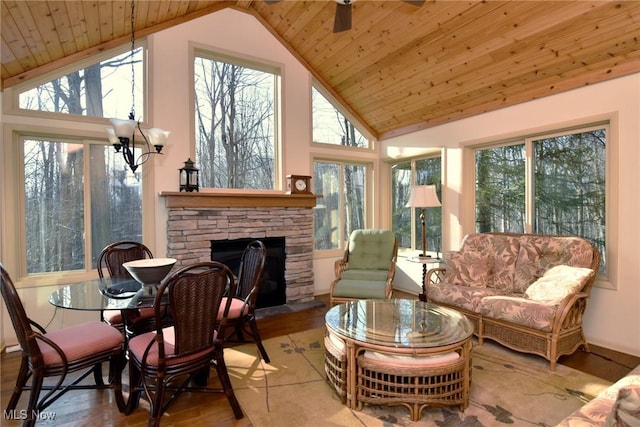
{"type": "Point", "coordinates": [158, 136]}
{"type": "Point", "coordinates": [124, 128]}
{"type": "Point", "coordinates": [113, 138]}
{"type": "Point", "coordinates": [423, 196]}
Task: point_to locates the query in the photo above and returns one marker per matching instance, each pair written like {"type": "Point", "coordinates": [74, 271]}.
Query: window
{"type": "Point", "coordinates": [406, 222]}
{"type": "Point", "coordinates": [330, 126]}
{"type": "Point", "coordinates": [343, 205]}
{"type": "Point", "coordinates": [564, 194]}
{"type": "Point", "coordinates": [102, 89]}
{"type": "Point", "coordinates": [235, 122]}
{"type": "Point", "coordinates": [78, 197]}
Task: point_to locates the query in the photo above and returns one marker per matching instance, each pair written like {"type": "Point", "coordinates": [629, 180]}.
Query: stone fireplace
{"type": "Point", "coordinates": [196, 220]}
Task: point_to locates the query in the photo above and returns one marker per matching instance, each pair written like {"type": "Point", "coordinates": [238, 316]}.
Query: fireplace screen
{"type": "Point", "coordinates": [273, 286]}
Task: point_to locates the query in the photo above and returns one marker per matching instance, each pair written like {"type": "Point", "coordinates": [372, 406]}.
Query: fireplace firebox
{"type": "Point", "coordinates": [273, 286]}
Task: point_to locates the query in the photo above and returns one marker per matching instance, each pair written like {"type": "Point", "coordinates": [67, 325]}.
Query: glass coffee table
{"type": "Point", "coordinates": [399, 352]}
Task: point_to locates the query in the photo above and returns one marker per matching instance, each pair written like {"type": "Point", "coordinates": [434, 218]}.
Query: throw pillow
{"type": "Point", "coordinates": [558, 282]}
{"type": "Point", "coordinates": [468, 269]}
{"type": "Point", "coordinates": [626, 410]}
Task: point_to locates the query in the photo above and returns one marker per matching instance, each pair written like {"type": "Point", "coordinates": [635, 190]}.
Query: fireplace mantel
{"type": "Point", "coordinates": [175, 199]}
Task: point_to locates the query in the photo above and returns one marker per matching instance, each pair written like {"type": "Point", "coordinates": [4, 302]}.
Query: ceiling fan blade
{"type": "Point", "coordinates": [415, 2]}
{"type": "Point", "coordinates": [342, 20]}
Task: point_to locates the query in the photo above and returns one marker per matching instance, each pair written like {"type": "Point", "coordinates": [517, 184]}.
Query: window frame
{"type": "Point", "coordinates": [414, 212]}
{"type": "Point", "coordinates": [60, 126]}
{"type": "Point", "coordinates": [368, 220]}
{"type": "Point", "coordinates": [355, 122]}
{"type": "Point", "coordinates": [11, 101]}
{"type": "Point", "coordinates": [610, 125]}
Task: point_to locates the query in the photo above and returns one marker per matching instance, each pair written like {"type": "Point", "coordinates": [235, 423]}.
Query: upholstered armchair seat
{"type": "Point", "coordinates": [364, 289]}
{"type": "Point", "coordinates": [365, 274]}
{"type": "Point", "coordinates": [367, 268]}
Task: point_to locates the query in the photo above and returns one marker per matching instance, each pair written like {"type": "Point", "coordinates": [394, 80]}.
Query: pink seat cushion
{"type": "Point", "coordinates": [139, 343]}
{"type": "Point", "coordinates": [114, 317]}
{"type": "Point", "coordinates": [236, 310]}
{"type": "Point", "coordinates": [80, 341]}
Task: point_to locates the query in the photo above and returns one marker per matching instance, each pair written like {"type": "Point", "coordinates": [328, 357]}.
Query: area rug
{"type": "Point", "coordinates": [506, 388]}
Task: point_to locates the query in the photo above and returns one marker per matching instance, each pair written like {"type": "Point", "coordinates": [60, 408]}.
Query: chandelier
{"type": "Point", "coordinates": [122, 132]}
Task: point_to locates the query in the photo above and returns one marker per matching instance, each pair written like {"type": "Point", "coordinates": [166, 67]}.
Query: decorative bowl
{"type": "Point", "coordinates": [150, 271]}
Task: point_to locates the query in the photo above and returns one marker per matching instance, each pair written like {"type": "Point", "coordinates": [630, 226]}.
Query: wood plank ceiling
{"type": "Point", "coordinates": [399, 69]}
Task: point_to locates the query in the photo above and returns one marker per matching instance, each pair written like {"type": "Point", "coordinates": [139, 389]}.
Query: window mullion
{"type": "Point", "coordinates": [529, 186]}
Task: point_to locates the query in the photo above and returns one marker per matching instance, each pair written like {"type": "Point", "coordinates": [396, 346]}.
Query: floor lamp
{"type": "Point", "coordinates": [423, 196]}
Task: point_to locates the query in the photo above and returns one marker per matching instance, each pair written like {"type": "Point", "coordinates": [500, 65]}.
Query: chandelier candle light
{"type": "Point", "coordinates": [122, 134]}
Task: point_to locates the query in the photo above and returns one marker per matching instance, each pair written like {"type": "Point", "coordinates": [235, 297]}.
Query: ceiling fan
{"type": "Point", "coordinates": [342, 20]}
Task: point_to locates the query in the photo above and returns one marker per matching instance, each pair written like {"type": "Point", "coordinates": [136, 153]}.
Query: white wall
{"type": "Point", "coordinates": [613, 315]}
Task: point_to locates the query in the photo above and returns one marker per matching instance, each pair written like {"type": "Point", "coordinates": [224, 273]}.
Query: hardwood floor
{"type": "Point", "coordinates": [97, 408]}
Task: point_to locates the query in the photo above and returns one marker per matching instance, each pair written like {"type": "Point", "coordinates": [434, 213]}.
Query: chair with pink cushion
{"type": "Point", "coordinates": [242, 318]}
{"type": "Point", "coordinates": [111, 258]}
{"type": "Point", "coordinates": [58, 353]}
{"type": "Point", "coordinates": [178, 358]}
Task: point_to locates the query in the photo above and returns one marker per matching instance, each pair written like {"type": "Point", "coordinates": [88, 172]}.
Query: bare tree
{"type": "Point", "coordinates": [234, 121]}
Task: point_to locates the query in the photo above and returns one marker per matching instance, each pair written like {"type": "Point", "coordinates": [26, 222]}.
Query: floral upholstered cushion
{"type": "Point", "coordinates": [500, 253]}
{"type": "Point", "coordinates": [626, 410]}
{"type": "Point", "coordinates": [533, 314]}
{"type": "Point", "coordinates": [558, 282]}
{"type": "Point", "coordinates": [538, 254]}
{"type": "Point", "coordinates": [597, 411]}
{"type": "Point", "coordinates": [468, 269]}
{"type": "Point", "coordinates": [462, 296]}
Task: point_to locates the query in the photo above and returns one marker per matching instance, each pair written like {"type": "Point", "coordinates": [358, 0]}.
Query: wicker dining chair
{"type": "Point", "coordinates": [111, 258]}
{"type": "Point", "coordinates": [172, 358]}
{"type": "Point", "coordinates": [59, 353]}
{"type": "Point", "coordinates": [242, 318]}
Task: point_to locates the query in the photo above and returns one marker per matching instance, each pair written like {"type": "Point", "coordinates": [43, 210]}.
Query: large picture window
{"type": "Point", "coordinates": [550, 184]}
{"type": "Point", "coordinates": [342, 208]}
{"type": "Point", "coordinates": [235, 122]}
{"type": "Point", "coordinates": [78, 197]}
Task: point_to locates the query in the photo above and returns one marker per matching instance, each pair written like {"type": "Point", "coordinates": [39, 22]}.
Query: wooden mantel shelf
{"type": "Point", "coordinates": [175, 199]}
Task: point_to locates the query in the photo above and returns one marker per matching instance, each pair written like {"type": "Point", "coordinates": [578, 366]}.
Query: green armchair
{"type": "Point", "coordinates": [367, 267]}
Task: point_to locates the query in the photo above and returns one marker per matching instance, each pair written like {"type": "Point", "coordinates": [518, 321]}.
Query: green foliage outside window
{"type": "Point", "coordinates": [568, 194]}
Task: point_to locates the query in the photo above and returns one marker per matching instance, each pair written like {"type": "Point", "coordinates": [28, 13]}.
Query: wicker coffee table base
{"type": "Point", "coordinates": [415, 386]}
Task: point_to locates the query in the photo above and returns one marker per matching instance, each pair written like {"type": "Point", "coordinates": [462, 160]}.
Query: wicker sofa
{"type": "Point", "coordinates": [526, 291]}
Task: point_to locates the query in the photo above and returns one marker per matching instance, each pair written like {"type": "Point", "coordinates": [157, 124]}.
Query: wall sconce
{"type": "Point", "coordinates": [189, 180]}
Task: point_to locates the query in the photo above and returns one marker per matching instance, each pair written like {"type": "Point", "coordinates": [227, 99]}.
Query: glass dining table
{"type": "Point", "coordinates": [105, 294]}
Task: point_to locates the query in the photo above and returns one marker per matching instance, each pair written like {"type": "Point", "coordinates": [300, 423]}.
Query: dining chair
{"type": "Point", "coordinates": [169, 359]}
{"type": "Point", "coordinates": [241, 318]}
{"type": "Point", "coordinates": [111, 258]}
{"type": "Point", "coordinates": [59, 353]}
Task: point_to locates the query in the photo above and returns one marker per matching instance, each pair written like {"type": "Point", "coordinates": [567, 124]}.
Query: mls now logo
{"type": "Point", "coordinates": [23, 414]}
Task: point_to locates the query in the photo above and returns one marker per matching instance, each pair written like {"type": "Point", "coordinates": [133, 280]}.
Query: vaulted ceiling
{"type": "Point", "coordinates": [400, 68]}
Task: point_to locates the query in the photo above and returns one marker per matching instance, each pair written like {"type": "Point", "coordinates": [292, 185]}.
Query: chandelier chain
{"type": "Point", "coordinates": [132, 114]}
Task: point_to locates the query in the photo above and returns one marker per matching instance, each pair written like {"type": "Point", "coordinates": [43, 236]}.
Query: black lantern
{"type": "Point", "coordinates": [189, 177]}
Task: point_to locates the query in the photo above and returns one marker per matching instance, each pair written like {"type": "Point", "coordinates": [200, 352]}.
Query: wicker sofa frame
{"type": "Point", "coordinates": [566, 334]}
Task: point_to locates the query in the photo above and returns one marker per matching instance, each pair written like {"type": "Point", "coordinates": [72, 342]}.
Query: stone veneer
{"type": "Point", "coordinates": [190, 230]}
